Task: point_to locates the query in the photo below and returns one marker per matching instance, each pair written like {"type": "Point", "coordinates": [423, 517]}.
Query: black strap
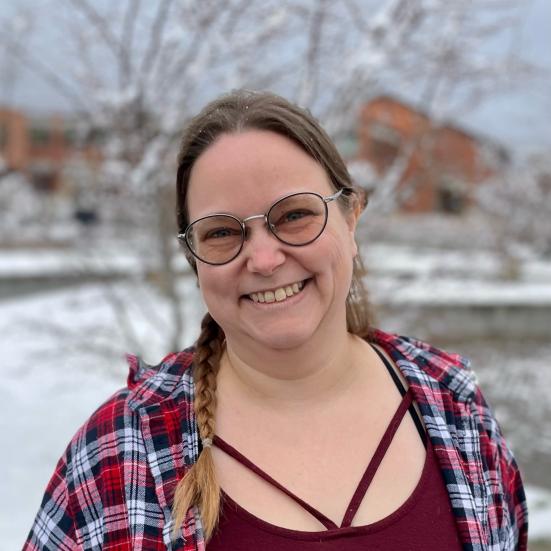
{"type": "Point", "coordinates": [402, 390]}
{"type": "Point", "coordinates": [378, 456]}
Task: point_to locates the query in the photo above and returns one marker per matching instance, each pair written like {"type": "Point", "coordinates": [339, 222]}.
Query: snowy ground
{"type": "Point", "coordinates": [62, 354]}
{"type": "Point", "coordinates": [400, 261]}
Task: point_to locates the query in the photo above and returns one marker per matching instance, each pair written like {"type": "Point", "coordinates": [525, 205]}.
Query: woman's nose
{"type": "Point", "coordinates": [264, 252]}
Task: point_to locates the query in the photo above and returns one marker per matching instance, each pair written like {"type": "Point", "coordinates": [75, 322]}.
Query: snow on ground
{"type": "Point", "coordinates": [390, 260]}
{"type": "Point", "coordinates": [456, 291]}
{"type": "Point", "coordinates": [41, 410]}
{"type": "Point", "coordinates": [59, 262]}
{"type": "Point", "coordinates": [403, 261]}
{"type": "Point", "coordinates": [398, 275]}
{"type": "Point", "coordinates": [539, 508]}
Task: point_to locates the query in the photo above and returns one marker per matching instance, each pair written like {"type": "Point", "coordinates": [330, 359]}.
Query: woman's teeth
{"type": "Point", "coordinates": [277, 295]}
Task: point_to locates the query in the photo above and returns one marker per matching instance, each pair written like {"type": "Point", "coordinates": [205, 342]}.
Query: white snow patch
{"type": "Point", "coordinates": [539, 513]}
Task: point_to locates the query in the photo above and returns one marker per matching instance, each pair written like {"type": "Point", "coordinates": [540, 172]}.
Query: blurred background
{"type": "Point", "coordinates": [441, 109]}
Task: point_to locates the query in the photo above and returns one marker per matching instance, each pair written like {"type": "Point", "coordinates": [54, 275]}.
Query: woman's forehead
{"type": "Point", "coordinates": [251, 169]}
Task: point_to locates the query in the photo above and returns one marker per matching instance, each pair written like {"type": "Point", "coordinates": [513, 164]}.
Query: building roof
{"type": "Point", "coordinates": [497, 147]}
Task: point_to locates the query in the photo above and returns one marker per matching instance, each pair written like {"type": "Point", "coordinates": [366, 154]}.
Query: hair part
{"type": "Point", "coordinates": [236, 112]}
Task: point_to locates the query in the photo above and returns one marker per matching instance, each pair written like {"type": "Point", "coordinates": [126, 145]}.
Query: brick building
{"type": "Point", "coordinates": [443, 162]}
{"type": "Point", "coordinates": [42, 147]}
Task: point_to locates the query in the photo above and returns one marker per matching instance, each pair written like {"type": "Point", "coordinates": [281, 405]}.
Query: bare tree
{"type": "Point", "coordinates": [138, 74]}
{"type": "Point", "coordinates": [520, 204]}
{"type": "Point", "coordinates": [436, 53]}
{"type": "Point", "coordinates": [135, 72]}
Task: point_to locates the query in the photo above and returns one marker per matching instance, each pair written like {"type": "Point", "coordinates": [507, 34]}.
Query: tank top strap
{"type": "Point", "coordinates": [402, 390]}
{"type": "Point", "coordinates": [232, 452]}
{"type": "Point", "coordinates": [380, 452]}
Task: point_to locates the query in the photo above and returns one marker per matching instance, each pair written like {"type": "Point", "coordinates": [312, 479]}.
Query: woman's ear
{"type": "Point", "coordinates": [351, 222]}
{"type": "Point", "coordinates": [356, 206]}
{"type": "Point", "coordinates": [358, 201]}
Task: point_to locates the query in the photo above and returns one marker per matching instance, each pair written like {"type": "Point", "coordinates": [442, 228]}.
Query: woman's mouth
{"type": "Point", "coordinates": [279, 294]}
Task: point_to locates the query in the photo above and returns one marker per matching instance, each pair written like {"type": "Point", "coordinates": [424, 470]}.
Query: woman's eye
{"type": "Point", "coordinates": [294, 215]}
{"type": "Point", "coordinates": [220, 233]}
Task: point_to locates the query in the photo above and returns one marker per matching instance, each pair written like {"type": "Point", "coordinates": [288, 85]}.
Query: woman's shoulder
{"type": "Point", "coordinates": [147, 386]}
{"type": "Point", "coordinates": [424, 364]}
{"type": "Point", "coordinates": [114, 430]}
{"type": "Point", "coordinates": [110, 448]}
{"type": "Point", "coordinates": [159, 379]}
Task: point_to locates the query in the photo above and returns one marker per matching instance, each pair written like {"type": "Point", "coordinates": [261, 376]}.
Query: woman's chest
{"type": "Point", "coordinates": [323, 467]}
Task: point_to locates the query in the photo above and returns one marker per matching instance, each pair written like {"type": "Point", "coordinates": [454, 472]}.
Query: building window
{"type": "Point", "coordinates": [70, 136]}
{"type": "Point", "coordinates": [3, 136]}
{"type": "Point", "coordinates": [96, 136]}
{"type": "Point", "coordinates": [44, 181]}
{"type": "Point", "coordinates": [451, 196]}
{"type": "Point", "coordinates": [40, 136]}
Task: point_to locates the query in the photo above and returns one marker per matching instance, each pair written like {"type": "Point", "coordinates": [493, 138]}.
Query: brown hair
{"type": "Point", "coordinates": [232, 113]}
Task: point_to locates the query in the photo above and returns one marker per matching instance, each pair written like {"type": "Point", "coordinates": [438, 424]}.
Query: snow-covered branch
{"type": "Point", "coordinates": [520, 202]}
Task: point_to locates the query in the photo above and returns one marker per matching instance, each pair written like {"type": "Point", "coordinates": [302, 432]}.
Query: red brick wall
{"type": "Point", "coordinates": [47, 157]}
{"type": "Point", "coordinates": [15, 147]}
{"type": "Point", "coordinates": [438, 153]}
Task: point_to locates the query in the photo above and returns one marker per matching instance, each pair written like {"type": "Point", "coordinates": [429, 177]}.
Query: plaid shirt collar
{"type": "Point", "coordinates": [151, 385]}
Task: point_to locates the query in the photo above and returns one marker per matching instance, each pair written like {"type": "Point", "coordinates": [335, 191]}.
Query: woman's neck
{"type": "Point", "coordinates": [292, 377]}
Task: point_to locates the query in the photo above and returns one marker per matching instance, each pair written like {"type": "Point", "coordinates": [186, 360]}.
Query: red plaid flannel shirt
{"type": "Point", "coordinates": [113, 487]}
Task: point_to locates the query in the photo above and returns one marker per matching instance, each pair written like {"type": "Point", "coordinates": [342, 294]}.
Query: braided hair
{"type": "Point", "coordinates": [199, 486]}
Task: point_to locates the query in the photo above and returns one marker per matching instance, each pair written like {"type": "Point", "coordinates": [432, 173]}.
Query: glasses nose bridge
{"type": "Point", "coordinates": [254, 217]}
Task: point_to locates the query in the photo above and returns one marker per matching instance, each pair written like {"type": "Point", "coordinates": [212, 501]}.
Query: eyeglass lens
{"type": "Point", "coordinates": [296, 220]}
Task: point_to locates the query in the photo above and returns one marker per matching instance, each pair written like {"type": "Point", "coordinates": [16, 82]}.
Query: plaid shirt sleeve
{"type": "Point", "coordinates": [112, 488]}
{"type": "Point", "coordinates": [53, 527]}
{"type": "Point", "coordinates": [503, 478]}
{"type": "Point", "coordinates": [73, 509]}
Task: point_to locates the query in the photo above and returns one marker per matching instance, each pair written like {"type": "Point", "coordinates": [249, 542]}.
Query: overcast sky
{"type": "Point", "coordinates": [520, 119]}
{"type": "Point", "coordinates": [523, 119]}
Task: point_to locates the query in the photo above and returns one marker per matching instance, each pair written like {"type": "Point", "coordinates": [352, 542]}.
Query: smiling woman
{"type": "Point", "coordinates": [343, 437]}
{"type": "Point", "coordinates": [305, 240]}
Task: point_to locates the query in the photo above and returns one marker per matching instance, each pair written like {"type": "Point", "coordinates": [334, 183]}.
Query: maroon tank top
{"type": "Point", "coordinates": [424, 521]}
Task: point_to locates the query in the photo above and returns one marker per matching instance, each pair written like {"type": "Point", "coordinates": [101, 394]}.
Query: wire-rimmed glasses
{"type": "Point", "coordinates": [296, 219]}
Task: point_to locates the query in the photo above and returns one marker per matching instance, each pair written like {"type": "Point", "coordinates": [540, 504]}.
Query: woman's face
{"type": "Point", "coordinates": [244, 174]}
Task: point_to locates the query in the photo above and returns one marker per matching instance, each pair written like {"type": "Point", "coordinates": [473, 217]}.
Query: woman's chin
{"type": "Point", "coordinates": [282, 338]}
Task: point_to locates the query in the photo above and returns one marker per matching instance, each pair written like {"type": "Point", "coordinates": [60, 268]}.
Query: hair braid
{"type": "Point", "coordinates": [199, 486]}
